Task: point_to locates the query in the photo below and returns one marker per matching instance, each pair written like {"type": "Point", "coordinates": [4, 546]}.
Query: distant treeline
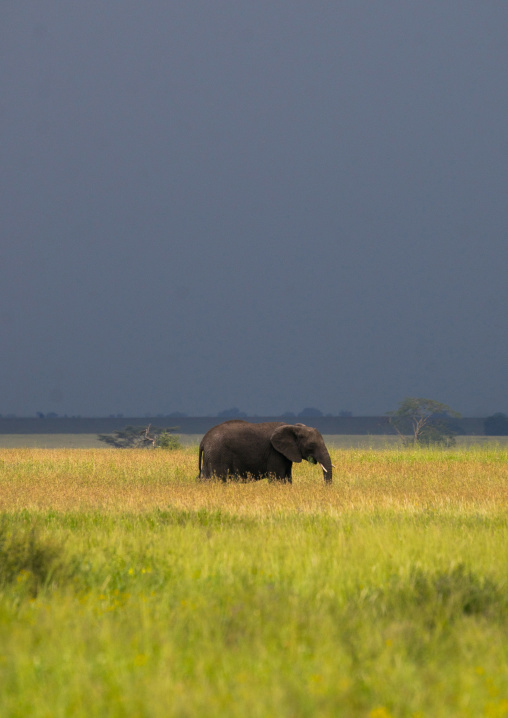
{"type": "Point", "coordinates": [360, 425]}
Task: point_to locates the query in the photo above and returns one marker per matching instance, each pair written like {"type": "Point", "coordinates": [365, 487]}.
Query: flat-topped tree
{"type": "Point", "coordinates": [423, 421]}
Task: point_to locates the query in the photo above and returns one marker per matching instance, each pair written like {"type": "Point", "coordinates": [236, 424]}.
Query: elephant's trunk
{"type": "Point", "coordinates": [326, 464]}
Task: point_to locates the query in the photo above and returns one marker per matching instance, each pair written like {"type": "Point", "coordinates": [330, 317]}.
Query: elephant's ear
{"type": "Point", "coordinates": [284, 440]}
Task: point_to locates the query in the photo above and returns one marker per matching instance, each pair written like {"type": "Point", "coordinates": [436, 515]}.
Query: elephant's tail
{"type": "Point", "coordinates": [200, 457]}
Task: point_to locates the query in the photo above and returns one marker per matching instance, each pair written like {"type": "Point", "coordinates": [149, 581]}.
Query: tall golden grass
{"type": "Point", "coordinates": [141, 480]}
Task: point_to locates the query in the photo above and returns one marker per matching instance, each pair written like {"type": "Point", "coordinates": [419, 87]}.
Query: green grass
{"type": "Point", "coordinates": [128, 589]}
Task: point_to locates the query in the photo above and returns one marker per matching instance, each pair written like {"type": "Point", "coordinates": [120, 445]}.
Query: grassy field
{"type": "Point", "coordinates": [127, 588]}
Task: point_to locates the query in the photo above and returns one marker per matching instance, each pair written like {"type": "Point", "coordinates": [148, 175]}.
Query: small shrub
{"type": "Point", "coordinates": [443, 594]}
{"type": "Point", "coordinates": [168, 441]}
{"type": "Point", "coordinates": [457, 591]}
{"type": "Point", "coordinates": [28, 559]}
{"type": "Point", "coordinates": [138, 437]}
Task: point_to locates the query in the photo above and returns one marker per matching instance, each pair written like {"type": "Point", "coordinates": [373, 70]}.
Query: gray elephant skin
{"type": "Point", "coordinates": [240, 449]}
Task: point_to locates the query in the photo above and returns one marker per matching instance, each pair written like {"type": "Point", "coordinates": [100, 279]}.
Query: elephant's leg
{"type": "Point", "coordinates": [279, 467]}
{"type": "Point", "coordinates": [287, 477]}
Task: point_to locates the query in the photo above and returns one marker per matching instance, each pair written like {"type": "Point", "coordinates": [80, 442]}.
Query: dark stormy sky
{"type": "Point", "coordinates": [269, 205]}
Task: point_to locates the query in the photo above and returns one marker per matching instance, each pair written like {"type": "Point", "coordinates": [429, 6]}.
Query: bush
{"type": "Point", "coordinates": [27, 558]}
{"type": "Point", "coordinates": [439, 595]}
{"type": "Point", "coordinates": [168, 441]}
{"type": "Point", "coordinates": [458, 591]}
{"type": "Point", "coordinates": [138, 437]}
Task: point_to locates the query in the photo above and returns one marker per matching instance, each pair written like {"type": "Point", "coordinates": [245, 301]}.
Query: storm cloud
{"type": "Point", "coordinates": [267, 205]}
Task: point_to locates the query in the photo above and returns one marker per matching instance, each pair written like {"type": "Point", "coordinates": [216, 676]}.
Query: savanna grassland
{"type": "Point", "coordinates": [127, 588]}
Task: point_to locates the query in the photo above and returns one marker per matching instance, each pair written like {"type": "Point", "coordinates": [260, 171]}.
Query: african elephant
{"type": "Point", "coordinates": [240, 449]}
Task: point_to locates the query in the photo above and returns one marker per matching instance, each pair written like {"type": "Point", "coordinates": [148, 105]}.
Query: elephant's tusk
{"type": "Point", "coordinates": [334, 466]}
{"type": "Point", "coordinates": [325, 470]}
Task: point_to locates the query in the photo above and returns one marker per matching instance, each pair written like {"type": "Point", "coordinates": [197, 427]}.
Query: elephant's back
{"type": "Point", "coordinates": [238, 429]}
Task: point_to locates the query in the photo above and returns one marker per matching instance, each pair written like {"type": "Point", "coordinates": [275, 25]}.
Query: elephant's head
{"type": "Point", "coordinates": [303, 442]}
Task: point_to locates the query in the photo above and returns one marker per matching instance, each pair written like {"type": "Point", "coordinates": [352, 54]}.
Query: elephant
{"type": "Point", "coordinates": [245, 450]}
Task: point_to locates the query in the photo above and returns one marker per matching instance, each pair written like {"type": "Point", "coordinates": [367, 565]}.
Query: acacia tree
{"type": "Point", "coordinates": [426, 421]}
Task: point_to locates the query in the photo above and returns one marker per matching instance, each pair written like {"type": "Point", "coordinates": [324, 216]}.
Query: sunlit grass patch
{"type": "Point", "coordinates": [159, 595]}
